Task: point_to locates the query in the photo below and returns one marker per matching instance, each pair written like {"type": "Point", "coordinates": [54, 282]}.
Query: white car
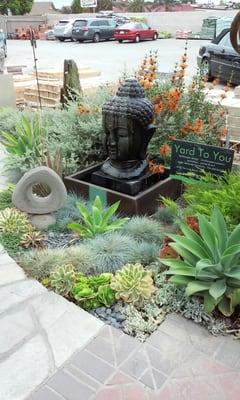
{"type": "Point", "coordinates": [63, 29]}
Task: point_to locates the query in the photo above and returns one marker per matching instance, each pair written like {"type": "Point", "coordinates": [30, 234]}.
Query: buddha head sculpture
{"type": "Point", "coordinates": [128, 128]}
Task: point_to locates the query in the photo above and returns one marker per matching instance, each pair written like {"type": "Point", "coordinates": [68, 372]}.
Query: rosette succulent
{"type": "Point", "coordinates": [133, 284]}
{"type": "Point", "coordinates": [62, 279]}
{"type": "Point", "coordinates": [13, 221]}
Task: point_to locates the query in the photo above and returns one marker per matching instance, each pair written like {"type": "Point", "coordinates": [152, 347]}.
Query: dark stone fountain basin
{"type": "Point", "coordinates": [143, 203]}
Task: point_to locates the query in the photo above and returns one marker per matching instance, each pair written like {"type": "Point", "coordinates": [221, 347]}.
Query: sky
{"type": "Point", "coordinates": [60, 3]}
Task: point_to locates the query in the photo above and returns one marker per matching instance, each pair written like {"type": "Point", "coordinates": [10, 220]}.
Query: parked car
{"type": "Point", "coordinates": [63, 29]}
{"type": "Point", "coordinates": [135, 32]}
{"type": "Point", "coordinates": [3, 42]}
{"type": "Point", "coordinates": [93, 29]}
{"type": "Point", "coordinates": [50, 35]}
{"type": "Point", "coordinates": [219, 60]}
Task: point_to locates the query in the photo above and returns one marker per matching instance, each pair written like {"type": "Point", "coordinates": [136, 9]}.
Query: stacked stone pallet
{"type": "Point", "coordinates": [49, 93]}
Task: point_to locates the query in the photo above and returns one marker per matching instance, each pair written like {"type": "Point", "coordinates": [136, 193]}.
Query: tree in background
{"type": "Point", "coordinates": [136, 6]}
{"type": "Point", "coordinates": [104, 5]}
{"type": "Point", "coordinates": [76, 7]}
{"type": "Point", "coordinates": [17, 7]}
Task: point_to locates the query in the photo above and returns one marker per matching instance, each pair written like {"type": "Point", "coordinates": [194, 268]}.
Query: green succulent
{"type": "Point", "coordinates": [106, 295]}
{"type": "Point", "coordinates": [13, 221]}
{"type": "Point", "coordinates": [133, 284]}
{"type": "Point", "coordinates": [93, 291]}
{"type": "Point", "coordinates": [6, 197]}
{"type": "Point", "coordinates": [98, 221]}
{"type": "Point", "coordinates": [62, 279]}
{"type": "Point", "coordinates": [209, 264]}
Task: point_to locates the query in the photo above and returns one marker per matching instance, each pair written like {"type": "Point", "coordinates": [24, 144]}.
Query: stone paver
{"type": "Point", "coordinates": [39, 331]}
{"type": "Point", "coordinates": [163, 368]}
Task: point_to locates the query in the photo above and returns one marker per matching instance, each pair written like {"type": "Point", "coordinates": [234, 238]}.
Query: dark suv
{"type": "Point", "coordinates": [93, 29]}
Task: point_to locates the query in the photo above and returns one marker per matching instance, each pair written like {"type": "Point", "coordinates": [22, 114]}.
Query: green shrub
{"type": "Point", "coordinates": [39, 264]}
{"type": "Point", "coordinates": [98, 220]}
{"type": "Point", "coordinates": [62, 279]}
{"type": "Point", "coordinates": [133, 284]}
{"type": "Point", "coordinates": [144, 229]}
{"type": "Point", "coordinates": [11, 243]}
{"type": "Point", "coordinates": [111, 252]}
{"type": "Point", "coordinates": [6, 197]}
{"type": "Point", "coordinates": [204, 195]}
{"type": "Point", "coordinates": [210, 263]}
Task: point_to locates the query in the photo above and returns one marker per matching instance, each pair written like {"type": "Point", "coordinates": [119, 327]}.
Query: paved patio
{"type": "Point", "coordinates": [180, 361]}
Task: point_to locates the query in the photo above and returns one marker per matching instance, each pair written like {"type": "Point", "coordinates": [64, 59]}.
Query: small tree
{"type": "Point", "coordinates": [17, 7]}
{"type": "Point", "coordinates": [71, 82]}
{"type": "Point", "coordinates": [136, 6]}
{"type": "Point", "coordinates": [76, 7]}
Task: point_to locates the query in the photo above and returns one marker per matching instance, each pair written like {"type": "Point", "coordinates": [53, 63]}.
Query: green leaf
{"type": "Point", "coordinates": [180, 280]}
{"type": "Point", "coordinates": [209, 303]}
{"type": "Point", "coordinates": [97, 215]}
{"type": "Point", "coordinates": [220, 227]}
{"type": "Point", "coordinates": [110, 212]}
{"type": "Point", "coordinates": [218, 288]}
{"type": "Point", "coordinates": [188, 257]}
{"type": "Point", "coordinates": [97, 203]}
{"type": "Point", "coordinates": [225, 306]}
{"type": "Point", "coordinates": [234, 238]}
{"type": "Point", "coordinates": [174, 263]}
{"type": "Point", "coordinates": [229, 255]}
{"type": "Point", "coordinates": [189, 245]}
{"type": "Point", "coordinates": [208, 234]}
{"type": "Point", "coordinates": [235, 297]}
{"type": "Point", "coordinates": [234, 273]}
{"type": "Point", "coordinates": [185, 271]}
{"type": "Point", "coordinates": [197, 286]}
{"type": "Point", "coordinates": [189, 233]}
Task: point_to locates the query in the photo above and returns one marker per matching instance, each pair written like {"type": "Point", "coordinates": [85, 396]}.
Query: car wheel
{"type": "Point", "coordinates": [120, 41]}
{"type": "Point", "coordinates": [206, 71]}
{"type": "Point", "coordinates": [155, 36]}
{"type": "Point", "coordinates": [61, 39]}
{"type": "Point", "coordinates": [96, 38]}
{"type": "Point", "coordinates": [137, 39]}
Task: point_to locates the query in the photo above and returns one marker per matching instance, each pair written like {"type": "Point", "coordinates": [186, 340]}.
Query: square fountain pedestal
{"type": "Point", "coordinates": [143, 203]}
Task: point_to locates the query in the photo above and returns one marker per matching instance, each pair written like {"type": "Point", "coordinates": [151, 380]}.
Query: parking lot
{"type": "Point", "coordinates": [111, 58]}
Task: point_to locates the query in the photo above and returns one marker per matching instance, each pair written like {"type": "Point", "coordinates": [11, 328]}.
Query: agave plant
{"type": "Point", "coordinates": [209, 263]}
{"type": "Point", "coordinates": [98, 221]}
{"type": "Point", "coordinates": [133, 284]}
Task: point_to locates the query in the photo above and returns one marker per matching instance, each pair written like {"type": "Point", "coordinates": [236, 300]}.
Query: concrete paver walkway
{"type": "Point", "coordinates": [180, 361]}
{"type": "Point", "coordinates": [39, 331]}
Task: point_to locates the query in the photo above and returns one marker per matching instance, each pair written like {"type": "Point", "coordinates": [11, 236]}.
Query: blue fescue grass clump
{"type": "Point", "coordinates": [144, 229]}
{"type": "Point", "coordinates": [111, 252]}
{"type": "Point", "coordinates": [146, 253]}
{"type": "Point", "coordinates": [69, 213]}
{"type": "Point", "coordinates": [165, 216]}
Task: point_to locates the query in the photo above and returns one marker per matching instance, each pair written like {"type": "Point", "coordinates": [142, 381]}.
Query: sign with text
{"type": "Point", "coordinates": [88, 3]}
{"type": "Point", "coordinates": [191, 159]}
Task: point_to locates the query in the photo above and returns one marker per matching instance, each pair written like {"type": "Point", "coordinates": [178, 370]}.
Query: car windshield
{"type": "Point", "coordinates": [129, 26]}
{"type": "Point", "coordinates": [80, 23]}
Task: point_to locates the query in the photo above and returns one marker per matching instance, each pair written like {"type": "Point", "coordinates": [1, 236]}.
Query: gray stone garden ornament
{"type": "Point", "coordinates": [24, 198]}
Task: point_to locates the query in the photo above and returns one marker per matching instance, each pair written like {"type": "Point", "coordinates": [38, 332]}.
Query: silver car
{"type": "Point", "coordinates": [63, 29]}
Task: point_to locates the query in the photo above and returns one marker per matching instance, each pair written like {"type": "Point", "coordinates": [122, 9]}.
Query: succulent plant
{"type": "Point", "coordinates": [106, 295]}
{"type": "Point", "coordinates": [13, 221]}
{"type": "Point", "coordinates": [133, 284]}
{"type": "Point", "coordinates": [63, 279]}
{"type": "Point", "coordinates": [33, 239]}
{"type": "Point", "coordinates": [93, 291]}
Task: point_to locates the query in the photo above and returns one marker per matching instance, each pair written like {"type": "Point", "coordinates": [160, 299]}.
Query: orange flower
{"type": "Point", "coordinates": [172, 137]}
{"type": "Point", "coordinates": [155, 168]}
{"type": "Point", "coordinates": [168, 252]}
{"type": "Point", "coordinates": [165, 150]}
{"type": "Point", "coordinates": [198, 125]}
{"type": "Point", "coordinates": [158, 107]}
{"type": "Point", "coordinates": [224, 131]}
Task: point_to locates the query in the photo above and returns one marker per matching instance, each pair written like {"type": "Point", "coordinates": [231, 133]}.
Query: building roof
{"type": "Point", "coordinates": [42, 7]}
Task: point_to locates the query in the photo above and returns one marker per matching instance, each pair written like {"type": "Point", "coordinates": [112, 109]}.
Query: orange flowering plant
{"type": "Point", "coordinates": [181, 111]}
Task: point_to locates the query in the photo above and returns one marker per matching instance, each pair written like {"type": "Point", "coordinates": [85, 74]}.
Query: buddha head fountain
{"type": "Point", "coordinates": [128, 128]}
